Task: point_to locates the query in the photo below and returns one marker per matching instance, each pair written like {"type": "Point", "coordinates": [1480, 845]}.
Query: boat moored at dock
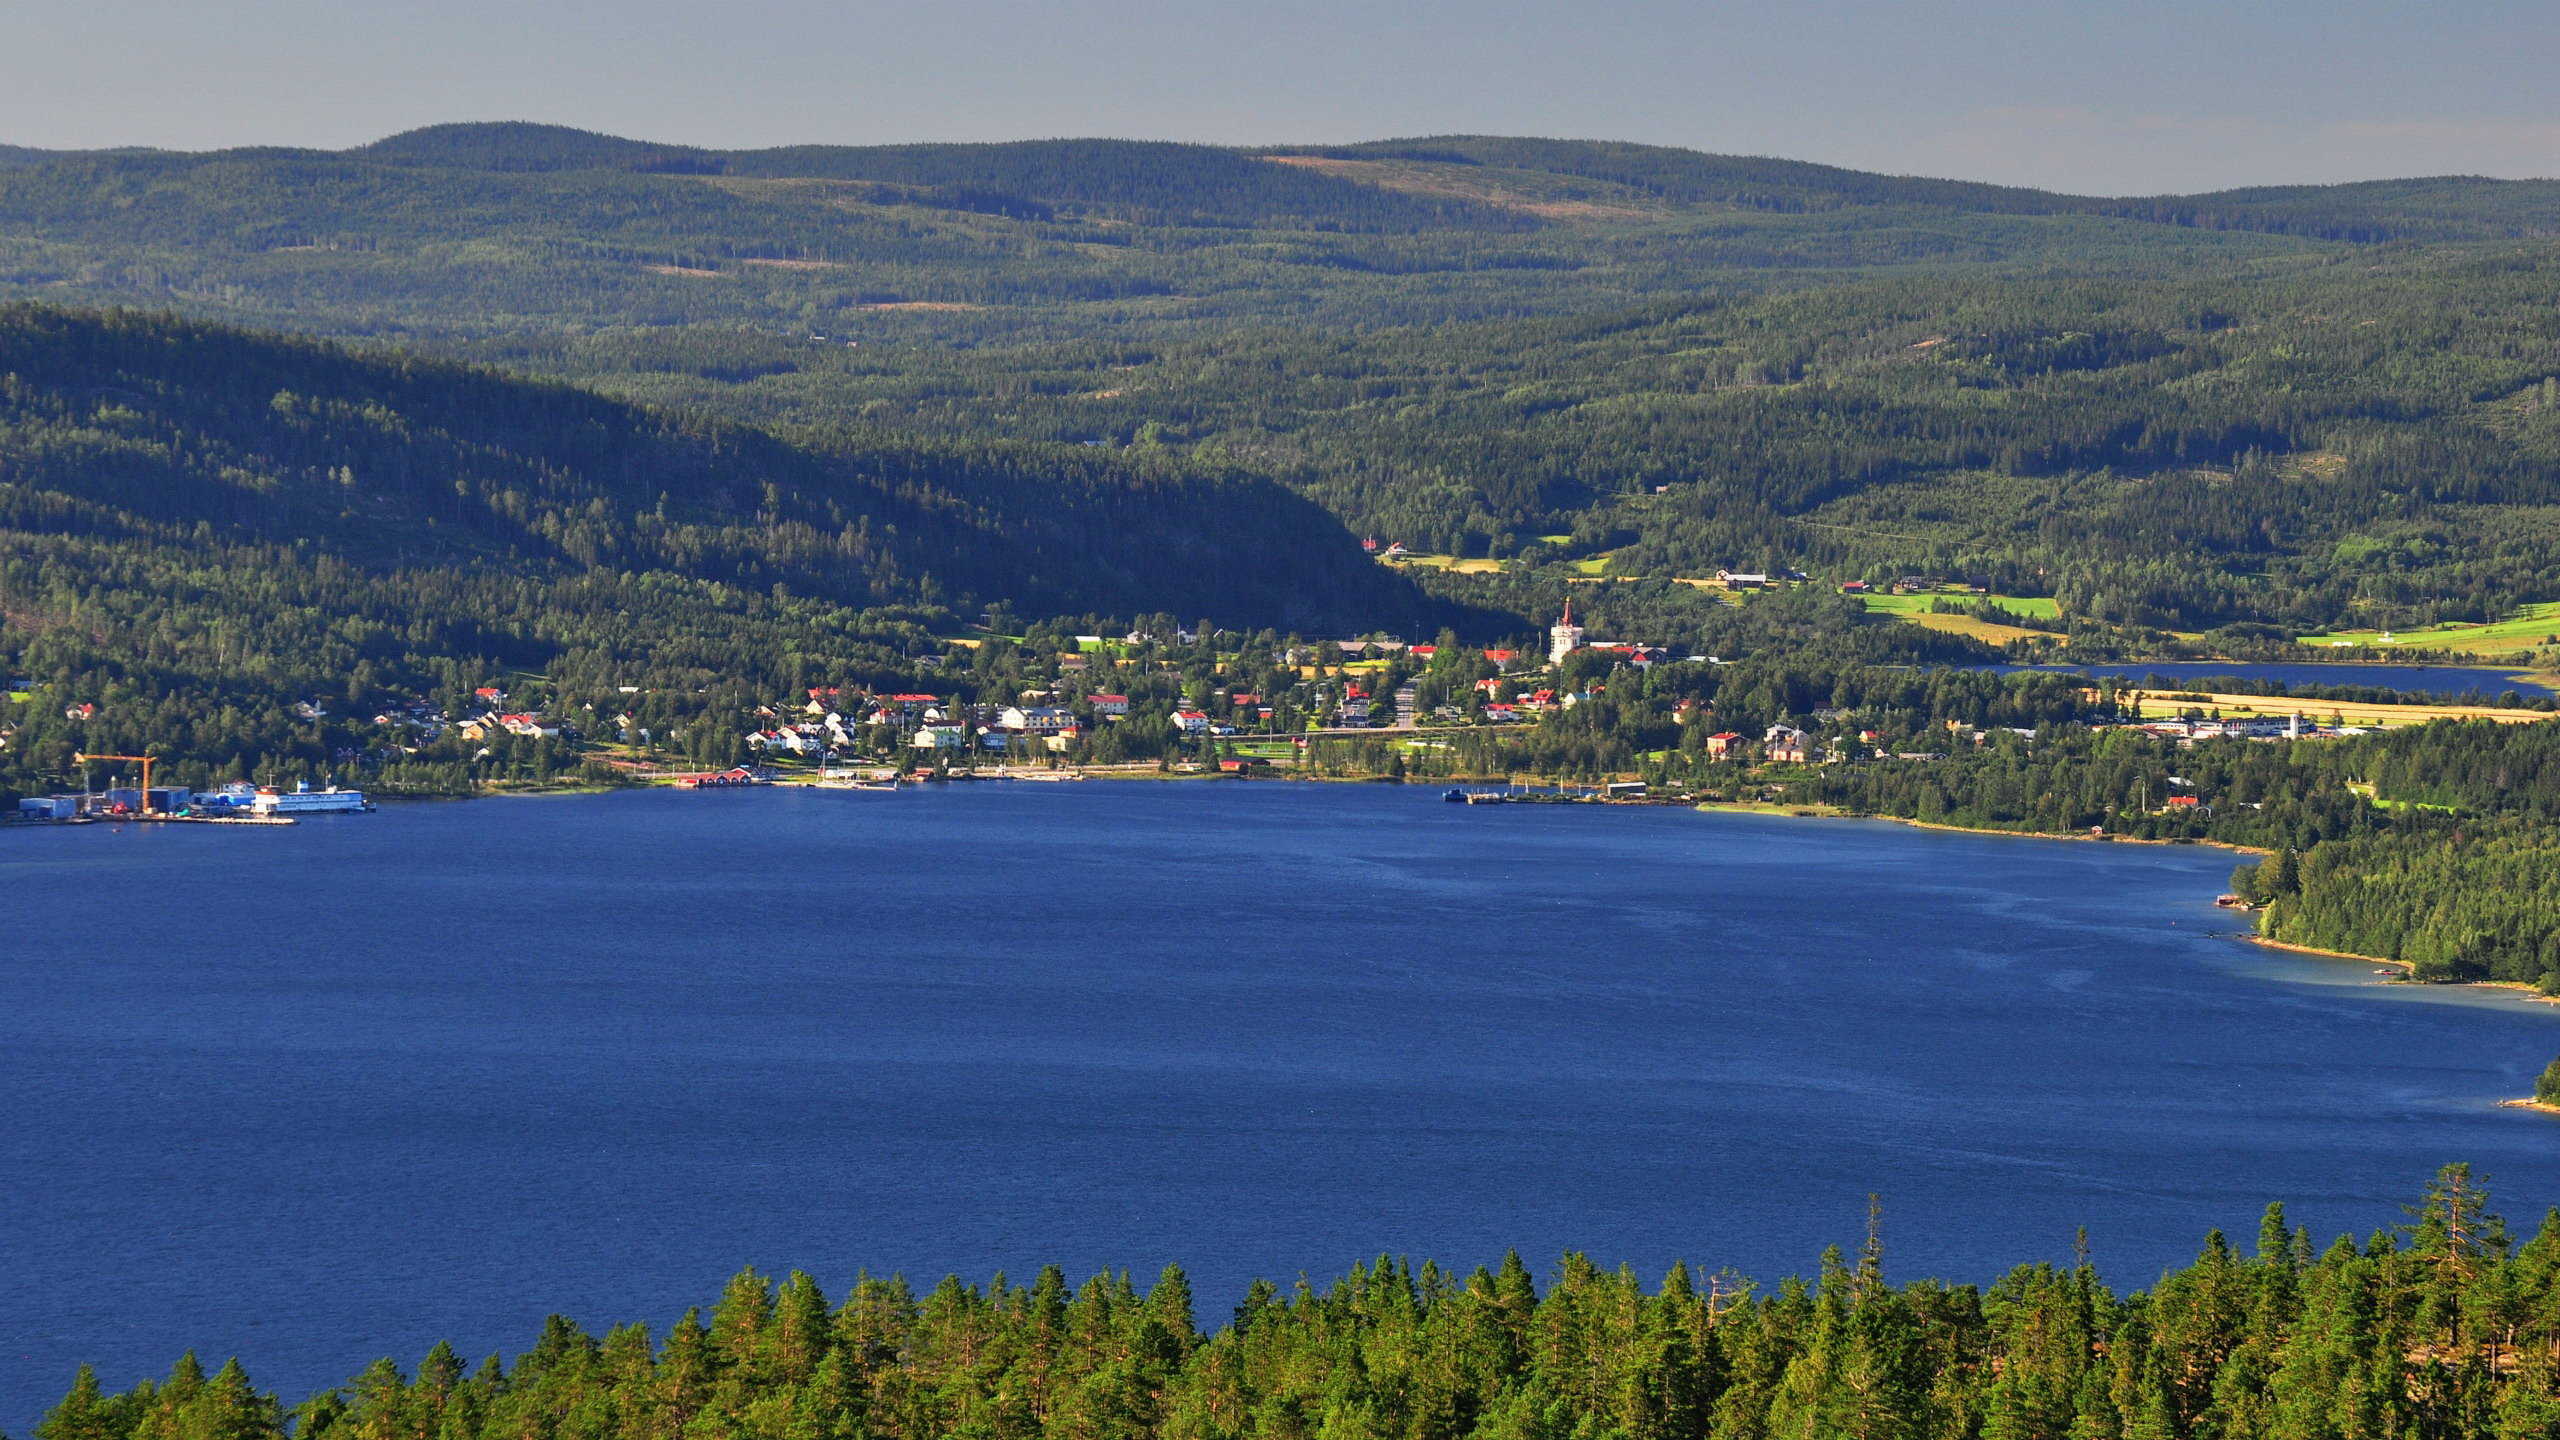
{"type": "Point", "coordinates": [303, 800]}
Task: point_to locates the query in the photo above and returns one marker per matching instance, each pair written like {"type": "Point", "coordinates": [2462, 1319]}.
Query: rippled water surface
{"type": "Point", "coordinates": [320, 1094]}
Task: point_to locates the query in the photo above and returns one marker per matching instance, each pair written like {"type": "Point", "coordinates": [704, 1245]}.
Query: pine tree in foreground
{"type": "Point", "coordinates": [2442, 1328]}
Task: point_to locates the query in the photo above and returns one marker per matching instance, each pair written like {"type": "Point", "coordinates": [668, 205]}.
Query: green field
{"type": "Point", "coordinates": [2530, 626]}
{"type": "Point", "coordinates": [1264, 749]}
{"type": "Point", "coordinates": [2040, 606]}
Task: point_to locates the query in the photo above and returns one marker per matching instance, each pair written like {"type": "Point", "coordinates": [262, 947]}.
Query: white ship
{"type": "Point", "coordinates": [303, 800]}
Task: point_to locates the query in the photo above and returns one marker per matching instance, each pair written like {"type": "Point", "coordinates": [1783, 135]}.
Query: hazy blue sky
{"type": "Point", "coordinates": [2102, 98]}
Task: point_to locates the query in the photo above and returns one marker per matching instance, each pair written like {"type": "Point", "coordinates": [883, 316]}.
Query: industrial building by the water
{"type": "Point", "coordinates": [236, 800]}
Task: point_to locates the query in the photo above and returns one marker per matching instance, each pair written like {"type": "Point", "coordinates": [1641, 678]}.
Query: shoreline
{"type": "Point", "coordinates": [2081, 836]}
{"type": "Point", "coordinates": [2529, 1104]}
{"type": "Point", "coordinates": [2403, 966]}
{"type": "Point", "coordinates": [1805, 812]}
{"type": "Point", "coordinates": [2408, 971]}
{"type": "Point", "coordinates": [2408, 976]}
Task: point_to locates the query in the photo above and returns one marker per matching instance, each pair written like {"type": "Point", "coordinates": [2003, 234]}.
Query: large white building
{"type": "Point", "coordinates": [1564, 637]}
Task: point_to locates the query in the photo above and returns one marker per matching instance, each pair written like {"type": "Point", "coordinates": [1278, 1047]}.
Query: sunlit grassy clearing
{"type": "Point", "coordinates": [2530, 626]}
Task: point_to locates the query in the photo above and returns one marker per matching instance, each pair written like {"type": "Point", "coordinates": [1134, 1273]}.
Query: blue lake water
{"type": "Point", "coordinates": [319, 1094]}
{"type": "Point", "coordinates": [2424, 679]}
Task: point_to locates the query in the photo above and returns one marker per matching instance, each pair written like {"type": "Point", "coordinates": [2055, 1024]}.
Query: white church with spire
{"type": "Point", "coordinates": [1564, 637]}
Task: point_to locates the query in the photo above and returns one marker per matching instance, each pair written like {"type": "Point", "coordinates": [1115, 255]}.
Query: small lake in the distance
{"type": "Point", "coordinates": [316, 1095]}
{"type": "Point", "coordinates": [2440, 680]}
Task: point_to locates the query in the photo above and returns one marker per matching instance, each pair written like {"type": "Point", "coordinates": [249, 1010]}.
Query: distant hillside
{"type": "Point", "coordinates": [191, 429]}
{"type": "Point", "coordinates": [2444, 207]}
{"type": "Point", "coordinates": [1150, 182]}
{"type": "Point", "coordinates": [2438, 208]}
{"type": "Point", "coordinates": [1172, 183]}
{"type": "Point", "coordinates": [229, 513]}
{"type": "Point", "coordinates": [2287, 407]}
{"type": "Point", "coordinates": [1692, 177]}
{"type": "Point", "coordinates": [2363, 440]}
{"type": "Point", "coordinates": [469, 231]}
{"type": "Point", "coordinates": [252, 554]}
{"type": "Point", "coordinates": [524, 146]}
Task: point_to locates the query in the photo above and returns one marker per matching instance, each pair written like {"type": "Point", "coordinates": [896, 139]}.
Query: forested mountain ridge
{"type": "Point", "coordinates": [2268, 412]}
{"type": "Point", "coordinates": [1142, 181]}
{"type": "Point", "coordinates": [2434, 208]}
{"type": "Point", "coordinates": [136, 425]}
{"type": "Point", "coordinates": [2369, 437]}
{"type": "Point", "coordinates": [1166, 181]}
{"type": "Point", "coordinates": [478, 230]}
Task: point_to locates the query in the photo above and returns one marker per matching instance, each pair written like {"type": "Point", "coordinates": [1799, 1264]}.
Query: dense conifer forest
{"type": "Point", "coordinates": [130, 426]}
{"type": "Point", "coordinates": [2325, 443]}
{"type": "Point", "coordinates": [2443, 1329]}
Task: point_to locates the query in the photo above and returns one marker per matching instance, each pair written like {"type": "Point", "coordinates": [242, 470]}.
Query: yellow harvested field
{"type": "Point", "coordinates": [685, 270]}
{"type": "Point", "coordinates": [1451, 563]}
{"type": "Point", "coordinates": [921, 305]}
{"type": "Point", "coordinates": [795, 264]}
{"type": "Point", "coordinates": [1987, 631]}
{"type": "Point", "coordinates": [2165, 703]}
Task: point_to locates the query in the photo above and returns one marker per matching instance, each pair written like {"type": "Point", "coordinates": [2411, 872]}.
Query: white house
{"type": "Point", "coordinates": [1038, 720]}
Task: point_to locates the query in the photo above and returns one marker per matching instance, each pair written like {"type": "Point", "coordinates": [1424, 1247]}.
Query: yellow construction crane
{"type": "Point", "coordinates": [145, 761]}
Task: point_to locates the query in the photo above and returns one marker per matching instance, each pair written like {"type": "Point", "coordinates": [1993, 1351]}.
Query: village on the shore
{"type": "Point", "coordinates": [1171, 701]}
